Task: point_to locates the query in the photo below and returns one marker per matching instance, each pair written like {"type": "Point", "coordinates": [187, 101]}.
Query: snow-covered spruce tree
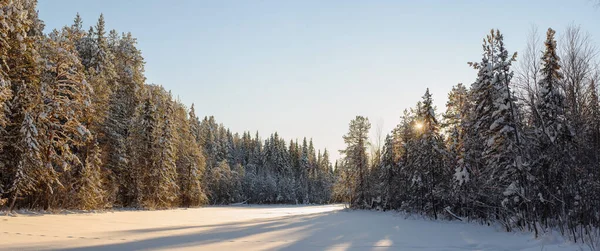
{"type": "Point", "coordinates": [457, 110]}
{"type": "Point", "coordinates": [428, 175]}
{"type": "Point", "coordinates": [356, 159]}
{"type": "Point", "coordinates": [89, 187]}
{"type": "Point", "coordinates": [387, 174]}
{"type": "Point", "coordinates": [208, 140]}
{"type": "Point", "coordinates": [125, 99]}
{"type": "Point", "coordinates": [554, 139]}
{"type": "Point", "coordinates": [284, 172]}
{"type": "Point", "coordinates": [190, 161]}
{"type": "Point", "coordinates": [221, 144]}
{"type": "Point", "coordinates": [454, 118]}
{"type": "Point", "coordinates": [251, 184]}
{"type": "Point", "coordinates": [304, 179]}
{"type": "Point", "coordinates": [312, 173]}
{"type": "Point", "coordinates": [402, 140]}
{"type": "Point", "coordinates": [154, 173]}
{"type": "Point", "coordinates": [413, 183]}
{"type": "Point", "coordinates": [477, 126]}
{"type": "Point", "coordinates": [98, 59]}
{"type": "Point", "coordinates": [325, 178]}
{"type": "Point", "coordinates": [143, 137]}
{"type": "Point", "coordinates": [295, 153]}
{"type": "Point", "coordinates": [195, 128]}
{"type": "Point", "coordinates": [231, 148]}
{"type": "Point", "coordinates": [166, 180]}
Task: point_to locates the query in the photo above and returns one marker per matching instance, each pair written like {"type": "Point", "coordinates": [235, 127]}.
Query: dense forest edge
{"type": "Point", "coordinates": [81, 129]}
{"type": "Point", "coordinates": [519, 148]}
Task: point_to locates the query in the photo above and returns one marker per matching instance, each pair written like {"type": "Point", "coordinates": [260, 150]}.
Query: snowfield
{"type": "Point", "coordinates": [257, 228]}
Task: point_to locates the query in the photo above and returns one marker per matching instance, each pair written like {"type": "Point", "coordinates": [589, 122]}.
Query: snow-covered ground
{"type": "Point", "coordinates": [256, 228]}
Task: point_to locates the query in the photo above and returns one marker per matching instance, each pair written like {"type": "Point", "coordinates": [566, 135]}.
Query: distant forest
{"type": "Point", "coordinates": [80, 129]}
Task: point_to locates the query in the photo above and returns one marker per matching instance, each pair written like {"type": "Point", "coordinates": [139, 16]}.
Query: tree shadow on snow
{"type": "Point", "coordinates": [318, 231]}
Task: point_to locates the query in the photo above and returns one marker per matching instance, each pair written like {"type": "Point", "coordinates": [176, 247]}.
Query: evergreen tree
{"type": "Point", "coordinates": [387, 173]}
{"type": "Point", "coordinates": [65, 114]}
{"type": "Point", "coordinates": [190, 161]}
{"type": "Point", "coordinates": [429, 175]}
{"type": "Point", "coordinates": [455, 124]}
{"type": "Point", "coordinates": [356, 159]}
{"type": "Point", "coordinates": [303, 179]}
{"type": "Point", "coordinates": [23, 168]}
{"type": "Point", "coordinates": [165, 171]}
{"type": "Point", "coordinates": [124, 101]}
{"type": "Point", "coordinates": [553, 135]}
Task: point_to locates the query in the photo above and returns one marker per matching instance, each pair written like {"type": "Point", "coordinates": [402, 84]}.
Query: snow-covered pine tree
{"type": "Point", "coordinates": [7, 40]}
{"type": "Point", "coordinates": [23, 152]}
{"type": "Point", "coordinates": [22, 170]}
{"type": "Point", "coordinates": [356, 159]}
{"type": "Point", "coordinates": [66, 113]}
{"type": "Point", "coordinates": [9, 37]}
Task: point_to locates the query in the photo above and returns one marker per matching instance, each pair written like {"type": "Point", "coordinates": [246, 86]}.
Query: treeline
{"type": "Point", "coordinates": [79, 128]}
{"type": "Point", "coordinates": [247, 170]}
{"type": "Point", "coordinates": [522, 150]}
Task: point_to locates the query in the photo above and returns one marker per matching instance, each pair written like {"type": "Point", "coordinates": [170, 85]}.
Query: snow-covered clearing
{"type": "Point", "coordinates": [256, 228]}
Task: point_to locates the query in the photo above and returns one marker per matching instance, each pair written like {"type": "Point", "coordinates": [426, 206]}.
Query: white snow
{"type": "Point", "coordinates": [258, 228]}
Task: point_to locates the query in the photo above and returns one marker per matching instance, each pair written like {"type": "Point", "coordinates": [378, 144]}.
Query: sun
{"type": "Point", "coordinates": [418, 125]}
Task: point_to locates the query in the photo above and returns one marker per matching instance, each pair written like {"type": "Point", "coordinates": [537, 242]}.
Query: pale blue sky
{"type": "Point", "coordinates": [306, 68]}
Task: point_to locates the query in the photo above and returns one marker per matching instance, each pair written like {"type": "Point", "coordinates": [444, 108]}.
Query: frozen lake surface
{"type": "Point", "coordinates": [253, 227]}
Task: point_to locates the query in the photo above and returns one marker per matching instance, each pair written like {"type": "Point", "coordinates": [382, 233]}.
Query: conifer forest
{"type": "Point", "coordinates": [80, 128]}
